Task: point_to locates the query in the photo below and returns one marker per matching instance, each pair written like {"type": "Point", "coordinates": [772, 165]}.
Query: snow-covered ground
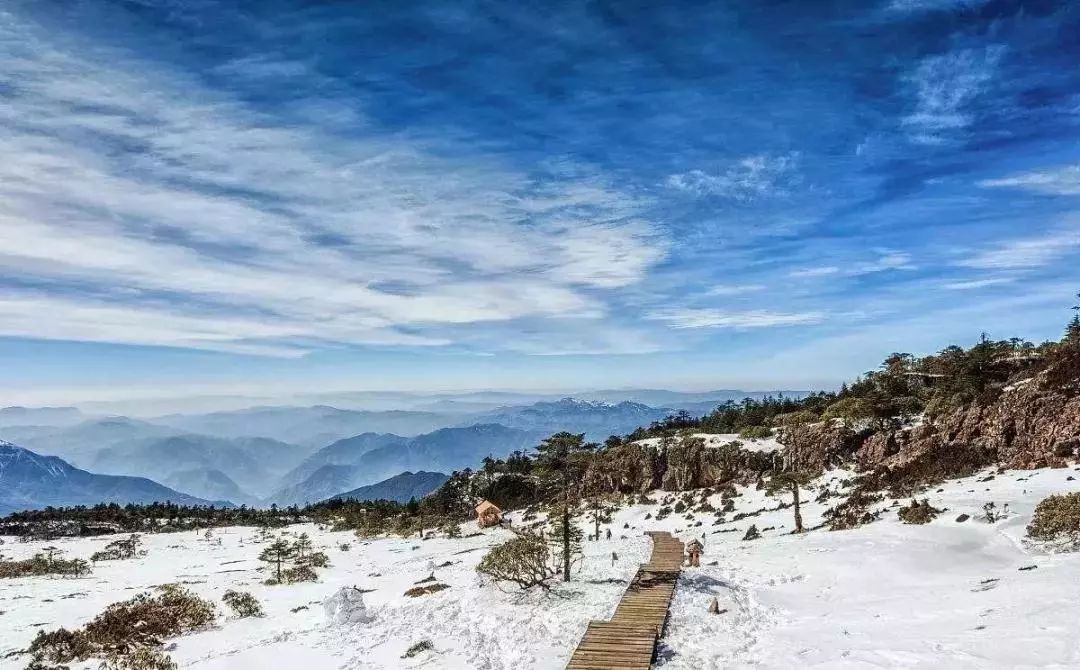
{"type": "Point", "coordinates": [887, 595]}
{"type": "Point", "coordinates": [714, 440]}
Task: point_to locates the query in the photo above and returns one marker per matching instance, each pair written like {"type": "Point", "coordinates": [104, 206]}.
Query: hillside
{"type": "Point", "coordinates": [399, 488]}
{"type": "Point", "coordinates": [31, 481]}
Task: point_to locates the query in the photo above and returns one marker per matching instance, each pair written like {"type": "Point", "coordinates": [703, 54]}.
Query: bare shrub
{"type": "Point", "coordinates": [522, 561]}
{"type": "Point", "coordinates": [124, 628]}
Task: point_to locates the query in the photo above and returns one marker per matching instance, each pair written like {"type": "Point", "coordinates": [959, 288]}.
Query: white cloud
{"type": "Point", "coordinates": [751, 178]}
{"type": "Point", "coordinates": [1059, 181]}
{"type": "Point", "coordinates": [976, 283]}
{"type": "Point", "coordinates": [716, 318]}
{"type": "Point", "coordinates": [886, 261]}
{"type": "Point", "coordinates": [734, 289]}
{"type": "Point", "coordinates": [314, 236]}
{"type": "Point", "coordinates": [1030, 252]}
{"type": "Point", "coordinates": [809, 273]}
{"type": "Point", "coordinates": [945, 86]}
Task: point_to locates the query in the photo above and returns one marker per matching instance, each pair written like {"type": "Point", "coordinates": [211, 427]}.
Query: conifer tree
{"type": "Point", "coordinates": [561, 461]}
{"type": "Point", "coordinates": [276, 554]}
{"type": "Point", "coordinates": [790, 482]}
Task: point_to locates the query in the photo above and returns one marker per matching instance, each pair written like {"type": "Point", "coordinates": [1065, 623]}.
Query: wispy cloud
{"type": "Point", "coordinates": [945, 86]}
{"type": "Point", "coordinates": [748, 179]}
{"type": "Point", "coordinates": [972, 284]}
{"type": "Point", "coordinates": [810, 273]}
{"type": "Point", "coordinates": [886, 261]}
{"type": "Point", "coordinates": [1053, 181]}
{"type": "Point", "coordinates": [716, 318]}
{"type": "Point", "coordinates": [1031, 252]}
{"type": "Point", "coordinates": [133, 181]}
{"type": "Point", "coordinates": [734, 289]}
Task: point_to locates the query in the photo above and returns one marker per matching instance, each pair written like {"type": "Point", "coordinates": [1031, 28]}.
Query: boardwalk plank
{"type": "Point", "coordinates": [628, 641]}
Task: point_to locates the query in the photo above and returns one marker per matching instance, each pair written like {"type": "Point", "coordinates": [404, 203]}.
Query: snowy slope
{"type": "Point", "coordinates": [887, 595]}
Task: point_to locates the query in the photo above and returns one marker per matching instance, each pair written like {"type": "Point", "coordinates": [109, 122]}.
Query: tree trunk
{"type": "Point", "coordinates": [566, 542]}
{"type": "Point", "coordinates": [596, 523]}
{"type": "Point", "coordinates": [798, 514]}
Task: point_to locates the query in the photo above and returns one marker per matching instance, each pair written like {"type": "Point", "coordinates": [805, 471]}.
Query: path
{"type": "Point", "coordinates": [628, 641]}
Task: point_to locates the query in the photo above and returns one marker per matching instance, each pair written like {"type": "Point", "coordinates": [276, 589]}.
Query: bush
{"type": "Point", "coordinates": [752, 533]}
{"type": "Point", "coordinates": [41, 564]}
{"type": "Point", "coordinates": [755, 432]}
{"type": "Point", "coordinates": [918, 512]}
{"type": "Point", "coordinates": [452, 530]}
{"type": "Point", "coordinates": [1056, 522]}
{"type": "Point", "coordinates": [418, 648]}
{"type": "Point", "coordinates": [299, 573]}
{"type": "Point", "coordinates": [522, 561]}
{"type": "Point", "coordinates": [126, 632]}
{"type": "Point", "coordinates": [243, 604]}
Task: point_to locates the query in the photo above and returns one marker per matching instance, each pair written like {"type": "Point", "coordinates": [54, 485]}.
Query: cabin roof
{"type": "Point", "coordinates": [486, 506]}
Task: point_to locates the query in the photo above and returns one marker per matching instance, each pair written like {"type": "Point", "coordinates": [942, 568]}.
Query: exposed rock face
{"type": "Point", "coordinates": [812, 447]}
{"type": "Point", "coordinates": [677, 464]}
{"type": "Point", "coordinates": [1028, 427]}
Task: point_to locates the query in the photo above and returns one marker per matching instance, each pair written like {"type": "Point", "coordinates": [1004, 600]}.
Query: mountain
{"type": "Point", "coordinates": [255, 464]}
{"type": "Point", "coordinates": [594, 418]}
{"type": "Point", "coordinates": [680, 399]}
{"type": "Point", "coordinates": [319, 485]}
{"type": "Point", "coordinates": [32, 481]}
{"type": "Point", "coordinates": [40, 416]}
{"type": "Point", "coordinates": [80, 443]}
{"type": "Point", "coordinates": [446, 450]}
{"type": "Point", "coordinates": [343, 452]}
{"type": "Point", "coordinates": [308, 426]}
{"type": "Point", "coordinates": [399, 488]}
{"type": "Point", "coordinates": [210, 484]}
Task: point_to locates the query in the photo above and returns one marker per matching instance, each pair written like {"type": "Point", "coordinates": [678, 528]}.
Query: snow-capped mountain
{"type": "Point", "coordinates": [595, 418]}
{"type": "Point", "coordinates": [31, 481]}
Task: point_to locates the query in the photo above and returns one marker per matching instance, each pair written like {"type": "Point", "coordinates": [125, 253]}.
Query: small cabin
{"type": "Point", "coordinates": [694, 550]}
{"type": "Point", "coordinates": [487, 514]}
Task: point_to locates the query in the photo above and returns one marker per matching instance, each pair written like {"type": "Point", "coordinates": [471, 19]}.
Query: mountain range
{"type": "Point", "coordinates": [399, 488]}
{"type": "Point", "coordinates": [296, 455]}
{"type": "Point", "coordinates": [30, 481]}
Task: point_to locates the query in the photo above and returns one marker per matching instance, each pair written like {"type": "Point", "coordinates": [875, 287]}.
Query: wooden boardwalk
{"type": "Point", "coordinates": [628, 641]}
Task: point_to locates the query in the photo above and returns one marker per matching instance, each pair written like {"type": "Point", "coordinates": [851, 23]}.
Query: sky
{"type": "Point", "coordinates": [204, 196]}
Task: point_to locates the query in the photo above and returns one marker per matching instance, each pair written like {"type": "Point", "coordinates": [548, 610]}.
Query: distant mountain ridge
{"type": "Point", "coordinates": [32, 481]}
{"type": "Point", "coordinates": [444, 450]}
{"type": "Point", "coordinates": [597, 419]}
{"type": "Point", "coordinates": [399, 488]}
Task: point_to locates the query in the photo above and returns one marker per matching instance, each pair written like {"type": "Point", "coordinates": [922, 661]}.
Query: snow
{"type": "Point", "coordinates": [714, 440]}
{"type": "Point", "coordinates": [886, 595]}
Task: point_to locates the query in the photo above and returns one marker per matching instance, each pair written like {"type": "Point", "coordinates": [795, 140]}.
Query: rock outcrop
{"type": "Point", "coordinates": [677, 464]}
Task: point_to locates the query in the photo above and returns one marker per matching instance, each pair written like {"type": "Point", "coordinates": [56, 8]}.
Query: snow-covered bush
{"type": "Point", "coordinates": [243, 604]}
{"type": "Point", "coordinates": [418, 648]}
{"type": "Point", "coordinates": [123, 629]}
{"type": "Point", "coordinates": [522, 561]}
{"type": "Point", "coordinates": [346, 607]}
{"type": "Point", "coordinates": [918, 512]}
{"type": "Point", "coordinates": [1056, 522]}
{"type": "Point", "coordinates": [752, 533]}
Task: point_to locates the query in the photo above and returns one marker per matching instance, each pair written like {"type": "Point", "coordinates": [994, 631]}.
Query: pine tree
{"type": "Point", "coordinates": [276, 554]}
{"type": "Point", "coordinates": [790, 482]}
{"type": "Point", "coordinates": [302, 545]}
{"type": "Point", "coordinates": [561, 461]}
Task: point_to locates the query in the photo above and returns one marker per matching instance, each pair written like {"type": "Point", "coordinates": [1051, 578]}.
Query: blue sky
{"type": "Point", "coordinates": [203, 196]}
